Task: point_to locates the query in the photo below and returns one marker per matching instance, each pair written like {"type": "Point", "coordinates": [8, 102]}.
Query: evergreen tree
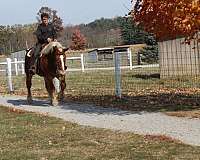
{"type": "Point", "coordinates": [132, 34]}
{"type": "Point", "coordinates": [149, 54]}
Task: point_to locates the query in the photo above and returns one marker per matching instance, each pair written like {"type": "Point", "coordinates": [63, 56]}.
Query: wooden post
{"type": "Point", "coordinates": [9, 74]}
{"type": "Point", "coordinates": [27, 45]}
{"type": "Point", "coordinates": [16, 66]}
{"type": "Point", "coordinates": [117, 75]}
{"type": "Point", "coordinates": [23, 72]}
{"type": "Point", "coordinates": [130, 58]}
{"type": "Point", "coordinates": [138, 59]}
{"type": "Point", "coordinates": [82, 63]}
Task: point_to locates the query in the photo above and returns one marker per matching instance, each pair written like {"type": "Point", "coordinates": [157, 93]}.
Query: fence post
{"type": "Point", "coordinates": [9, 74]}
{"type": "Point", "coordinates": [82, 63]}
{"type": "Point", "coordinates": [130, 58]}
{"type": "Point", "coordinates": [23, 72]}
{"type": "Point", "coordinates": [16, 66]}
{"type": "Point", "coordinates": [117, 75]}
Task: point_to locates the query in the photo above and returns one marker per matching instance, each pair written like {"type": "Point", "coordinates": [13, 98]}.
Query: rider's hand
{"type": "Point", "coordinates": [49, 40]}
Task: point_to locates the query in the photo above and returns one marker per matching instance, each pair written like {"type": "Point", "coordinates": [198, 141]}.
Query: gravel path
{"type": "Point", "coordinates": [184, 129]}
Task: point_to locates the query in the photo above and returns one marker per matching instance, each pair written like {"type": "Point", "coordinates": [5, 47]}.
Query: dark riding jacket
{"type": "Point", "coordinates": [43, 32]}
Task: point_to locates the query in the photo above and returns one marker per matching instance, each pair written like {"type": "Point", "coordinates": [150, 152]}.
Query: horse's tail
{"type": "Point", "coordinates": [28, 59]}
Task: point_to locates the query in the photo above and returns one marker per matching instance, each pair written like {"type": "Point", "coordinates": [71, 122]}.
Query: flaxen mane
{"type": "Point", "coordinates": [49, 47]}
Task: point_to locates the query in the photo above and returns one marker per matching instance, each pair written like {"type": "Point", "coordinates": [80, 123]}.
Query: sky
{"type": "Point", "coordinates": [71, 11]}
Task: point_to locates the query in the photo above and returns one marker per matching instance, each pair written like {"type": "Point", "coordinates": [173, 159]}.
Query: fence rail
{"type": "Point", "coordinates": [16, 67]}
{"type": "Point", "coordinates": [16, 63]}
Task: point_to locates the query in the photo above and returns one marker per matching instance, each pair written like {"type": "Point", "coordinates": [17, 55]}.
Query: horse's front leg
{"type": "Point", "coordinates": [28, 85]}
{"type": "Point", "coordinates": [51, 91]}
{"type": "Point", "coordinates": [62, 87]}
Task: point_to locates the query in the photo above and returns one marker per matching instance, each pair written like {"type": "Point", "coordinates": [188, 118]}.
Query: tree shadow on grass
{"type": "Point", "coordinates": [109, 104]}
{"type": "Point", "coordinates": [19, 102]}
{"type": "Point", "coordinates": [146, 103]}
{"type": "Point", "coordinates": [147, 76]}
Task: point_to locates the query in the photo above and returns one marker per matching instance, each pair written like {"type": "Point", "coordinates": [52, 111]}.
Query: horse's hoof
{"type": "Point", "coordinates": [61, 97]}
{"type": "Point", "coordinates": [29, 100]}
{"type": "Point", "coordinates": [54, 103]}
{"type": "Point", "coordinates": [61, 100]}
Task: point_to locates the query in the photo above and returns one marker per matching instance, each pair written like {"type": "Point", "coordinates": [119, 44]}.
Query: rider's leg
{"type": "Point", "coordinates": [36, 56]}
{"type": "Point", "coordinates": [37, 52]}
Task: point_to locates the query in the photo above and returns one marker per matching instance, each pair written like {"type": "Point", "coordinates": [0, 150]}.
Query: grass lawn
{"type": "Point", "coordinates": [25, 135]}
{"type": "Point", "coordinates": [142, 90]}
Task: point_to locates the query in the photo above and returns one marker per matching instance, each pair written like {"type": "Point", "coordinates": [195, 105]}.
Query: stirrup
{"type": "Point", "coordinates": [32, 69]}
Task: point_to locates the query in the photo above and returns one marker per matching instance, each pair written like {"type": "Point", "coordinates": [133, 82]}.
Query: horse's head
{"type": "Point", "coordinates": [60, 60]}
{"type": "Point", "coordinates": [56, 57]}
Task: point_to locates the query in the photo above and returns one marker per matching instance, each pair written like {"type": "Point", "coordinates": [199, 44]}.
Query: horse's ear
{"type": "Point", "coordinates": [65, 49]}
{"type": "Point", "coordinates": [55, 47]}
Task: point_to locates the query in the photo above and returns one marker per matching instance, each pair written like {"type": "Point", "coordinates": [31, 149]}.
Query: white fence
{"type": "Point", "coordinates": [8, 70]}
{"type": "Point", "coordinates": [19, 66]}
{"type": "Point", "coordinates": [19, 69]}
{"type": "Point", "coordinates": [77, 58]}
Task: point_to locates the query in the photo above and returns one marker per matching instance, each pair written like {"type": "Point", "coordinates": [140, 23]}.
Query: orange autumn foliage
{"type": "Point", "coordinates": [78, 40]}
{"type": "Point", "coordinates": [168, 18]}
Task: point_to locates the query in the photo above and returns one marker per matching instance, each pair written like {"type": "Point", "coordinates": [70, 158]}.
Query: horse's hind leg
{"type": "Point", "coordinates": [62, 86]}
{"type": "Point", "coordinates": [51, 91]}
{"type": "Point", "coordinates": [28, 85]}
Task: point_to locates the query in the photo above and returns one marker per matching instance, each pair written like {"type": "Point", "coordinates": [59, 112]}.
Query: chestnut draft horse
{"type": "Point", "coordinates": [50, 65]}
